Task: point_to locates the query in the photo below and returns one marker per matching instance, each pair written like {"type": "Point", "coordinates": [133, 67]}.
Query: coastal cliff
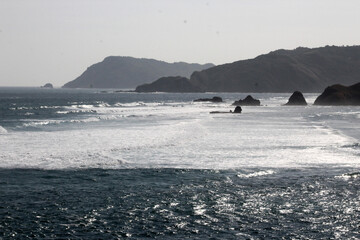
{"type": "Point", "coordinates": [303, 69]}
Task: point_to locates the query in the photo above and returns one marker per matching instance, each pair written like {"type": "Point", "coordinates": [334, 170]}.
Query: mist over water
{"type": "Point", "coordinates": [107, 164]}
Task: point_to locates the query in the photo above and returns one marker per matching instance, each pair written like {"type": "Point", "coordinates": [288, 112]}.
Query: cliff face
{"type": "Point", "coordinates": [303, 69]}
{"type": "Point", "coordinates": [128, 72]}
{"type": "Point", "coordinates": [168, 84]}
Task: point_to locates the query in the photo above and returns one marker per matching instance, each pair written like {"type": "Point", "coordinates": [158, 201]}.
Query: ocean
{"type": "Point", "coordinates": [102, 164]}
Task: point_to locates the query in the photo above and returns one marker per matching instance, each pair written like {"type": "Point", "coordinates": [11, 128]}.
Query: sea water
{"type": "Point", "coordinates": [105, 164]}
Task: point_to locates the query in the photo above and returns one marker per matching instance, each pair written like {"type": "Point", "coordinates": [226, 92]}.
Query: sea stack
{"type": "Point", "coordinates": [340, 95]}
{"type": "Point", "coordinates": [297, 98]}
{"type": "Point", "coordinates": [248, 101]}
{"type": "Point", "coordinates": [238, 109]}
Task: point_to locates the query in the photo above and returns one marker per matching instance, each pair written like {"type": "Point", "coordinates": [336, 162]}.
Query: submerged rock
{"type": "Point", "coordinates": [220, 112]}
{"type": "Point", "coordinates": [236, 110]}
{"type": "Point", "coordinates": [214, 99]}
{"type": "Point", "coordinates": [248, 101]}
{"type": "Point", "coordinates": [297, 98]}
{"type": "Point", "coordinates": [340, 95]}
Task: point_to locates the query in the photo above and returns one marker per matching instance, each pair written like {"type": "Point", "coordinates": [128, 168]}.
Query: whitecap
{"type": "Point", "coordinates": [256, 174]}
{"type": "Point", "coordinates": [47, 107]}
{"type": "Point", "coordinates": [3, 130]}
{"type": "Point", "coordinates": [348, 176]}
{"type": "Point", "coordinates": [103, 105]}
{"type": "Point", "coordinates": [75, 111]}
{"type": "Point", "coordinates": [58, 122]}
{"type": "Point", "coordinates": [85, 106]}
{"type": "Point", "coordinates": [286, 211]}
{"type": "Point", "coordinates": [199, 209]}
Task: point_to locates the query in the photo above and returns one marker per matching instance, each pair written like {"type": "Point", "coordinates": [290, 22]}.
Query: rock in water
{"type": "Point", "coordinates": [214, 99]}
{"type": "Point", "coordinates": [238, 109]}
{"type": "Point", "coordinates": [340, 95]}
{"type": "Point", "coordinates": [248, 101]}
{"type": "Point", "coordinates": [297, 98]}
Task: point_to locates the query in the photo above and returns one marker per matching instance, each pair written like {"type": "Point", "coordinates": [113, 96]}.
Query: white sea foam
{"type": "Point", "coordinates": [49, 107]}
{"type": "Point", "coordinates": [349, 176]}
{"type": "Point", "coordinates": [200, 209]}
{"type": "Point", "coordinates": [3, 130]}
{"type": "Point", "coordinates": [38, 123]}
{"type": "Point", "coordinates": [75, 111]}
{"type": "Point", "coordinates": [185, 135]}
{"type": "Point", "coordinates": [256, 174]}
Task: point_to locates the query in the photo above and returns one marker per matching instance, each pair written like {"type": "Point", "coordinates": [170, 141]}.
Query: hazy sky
{"type": "Point", "coordinates": [56, 40]}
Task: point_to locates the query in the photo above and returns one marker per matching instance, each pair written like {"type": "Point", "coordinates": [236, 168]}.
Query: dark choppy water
{"type": "Point", "coordinates": [178, 204]}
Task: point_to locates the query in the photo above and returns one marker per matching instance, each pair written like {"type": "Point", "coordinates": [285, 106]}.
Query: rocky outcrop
{"type": "Point", "coordinates": [297, 98]}
{"type": "Point", "coordinates": [129, 72]}
{"type": "Point", "coordinates": [168, 84]}
{"type": "Point", "coordinates": [214, 99]}
{"type": "Point", "coordinates": [248, 101]}
{"type": "Point", "coordinates": [340, 95]}
{"type": "Point", "coordinates": [304, 69]}
{"type": "Point", "coordinates": [48, 85]}
{"type": "Point", "coordinates": [238, 109]}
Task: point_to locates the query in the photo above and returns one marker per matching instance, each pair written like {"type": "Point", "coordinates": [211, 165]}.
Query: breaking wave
{"type": "Point", "coordinates": [256, 174]}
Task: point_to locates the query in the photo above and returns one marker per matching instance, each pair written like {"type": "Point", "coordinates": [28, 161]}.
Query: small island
{"type": "Point", "coordinates": [47, 85]}
{"type": "Point", "coordinates": [248, 101]}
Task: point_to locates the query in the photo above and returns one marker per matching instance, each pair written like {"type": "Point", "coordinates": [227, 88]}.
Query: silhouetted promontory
{"type": "Point", "coordinates": [129, 72]}
{"type": "Point", "coordinates": [248, 101]}
{"type": "Point", "coordinates": [168, 84]}
{"type": "Point", "coordinates": [47, 85]}
{"type": "Point", "coordinates": [340, 95]}
{"type": "Point", "coordinates": [304, 69]}
{"type": "Point", "coordinates": [297, 98]}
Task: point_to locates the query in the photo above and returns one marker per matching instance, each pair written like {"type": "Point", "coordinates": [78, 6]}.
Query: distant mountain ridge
{"type": "Point", "coordinates": [302, 69]}
{"type": "Point", "coordinates": [129, 72]}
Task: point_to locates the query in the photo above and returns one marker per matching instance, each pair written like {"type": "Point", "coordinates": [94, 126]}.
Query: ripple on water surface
{"type": "Point", "coordinates": [176, 203]}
